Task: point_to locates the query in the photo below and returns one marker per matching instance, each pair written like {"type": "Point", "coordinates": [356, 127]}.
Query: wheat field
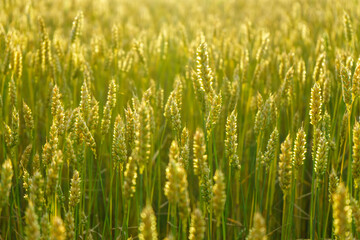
{"type": "Point", "coordinates": [191, 119]}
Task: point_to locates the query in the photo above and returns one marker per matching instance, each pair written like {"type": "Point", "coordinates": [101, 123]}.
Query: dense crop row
{"type": "Point", "coordinates": [192, 119]}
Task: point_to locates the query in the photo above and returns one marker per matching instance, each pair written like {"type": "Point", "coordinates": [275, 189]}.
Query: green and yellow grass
{"type": "Point", "coordinates": [192, 119]}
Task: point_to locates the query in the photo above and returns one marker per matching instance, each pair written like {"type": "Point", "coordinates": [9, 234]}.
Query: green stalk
{"type": "Point", "coordinates": [218, 232]}
{"type": "Point", "coordinates": [326, 220]}
{"type": "Point", "coordinates": [223, 226]}
{"type": "Point", "coordinates": [256, 177]}
{"type": "Point", "coordinates": [174, 219]}
{"type": "Point", "coordinates": [283, 222]}
{"type": "Point", "coordinates": [349, 175]}
{"type": "Point", "coordinates": [263, 189]}
{"type": "Point", "coordinates": [228, 192]}
{"type": "Point", "coordinates": [126, 218]}
{"type": "Point", "coordinates": [168, 218]}
{"type": "Point", "coordinates": [210, 224]}
{"type": "Point", "coordinates": [312, 209]}
{"type": "Point", "coordinates": [291, 207]}
{"type": "Point", "coordinates": [117, 201]}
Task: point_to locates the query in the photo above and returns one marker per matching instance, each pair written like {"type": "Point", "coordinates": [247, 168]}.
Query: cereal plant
{"type": "Point", "coordinates": [191, 119]}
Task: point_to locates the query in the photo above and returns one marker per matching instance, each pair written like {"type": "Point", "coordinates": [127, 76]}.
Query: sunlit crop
{"type": "Point", "coordinates": [179, 119]}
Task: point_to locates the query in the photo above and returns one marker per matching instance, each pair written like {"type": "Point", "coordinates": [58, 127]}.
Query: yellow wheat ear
{"type": "Point", "coordinates": [184, 148]}
{"type": "Point", "coordinates": [315, 104]}
{"type": "Point", "coordinates": [32, 228]}
{"type": "Point", "coordinates": [77, 27]}
{"type": "Point", "coordinates": [52, 172]}
{"type": "Point", "coordinates": [5, 182]}
{"type": "Point", "coordinates": [203, 70]}
{"type": "Point", "coordinates": [355, 206]}
{"type": "Point", "coordinates": [356, 154]}
{"type": "Point", "coordinates": [346, 84]}
{"type": "Point", "coordinates": [231, 141]}
{"type": "Point", "coordinates": [258, 231]}
{"type": "Point", "coordinates": [321, 157]}
{"type": "Point", "coordinates": [45, 226]}
{"type": "Point", "coordinates": [271, 146]}
{"type": "Point", "coordinates": [25, 157]}
{"type": "Point", "coordinates": [299, 149]}
{"type": "Point", "coordinates": [118, 152]}
{"type": "Point", "coordinates": [12, 92]}
{"type": "Point", "coordinates": [130, 176]}
{"type": "Point", "coordinates": [69, 222]}
{"type": "Point", "coordinates": [333, 184]}
{"type": "Point", "coordinates": [285, 168]}
{"type": "Point", "coordinates": [173, 111]}
{"type": "Point", "coordinates": [347, 27]}
{"type": "Point", "coordinates": [58, 231]}
{"type": "Point", "coordinates": [75, 192]}
{"type": "Point", "coordinates": [199, 149]}
{"type": "Point", "coordinates": [197, 225]}
{"type": "Point", "coordinates": [142, 148]}
{"type": "Point", "coordinates": [176, 186]}
{"type": "Point", "coordinates": [109, 106]}
{"type": "Point", "coordinates": [36, 191]}
{"type": "Point", "coordinates": [28, 117]}
{"type": "Point", "coordinates": [342, 212]}
{"type": "Point", "coordinates": [219, 195]}
{"type": "Point", "coordinates": [147, 226]}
